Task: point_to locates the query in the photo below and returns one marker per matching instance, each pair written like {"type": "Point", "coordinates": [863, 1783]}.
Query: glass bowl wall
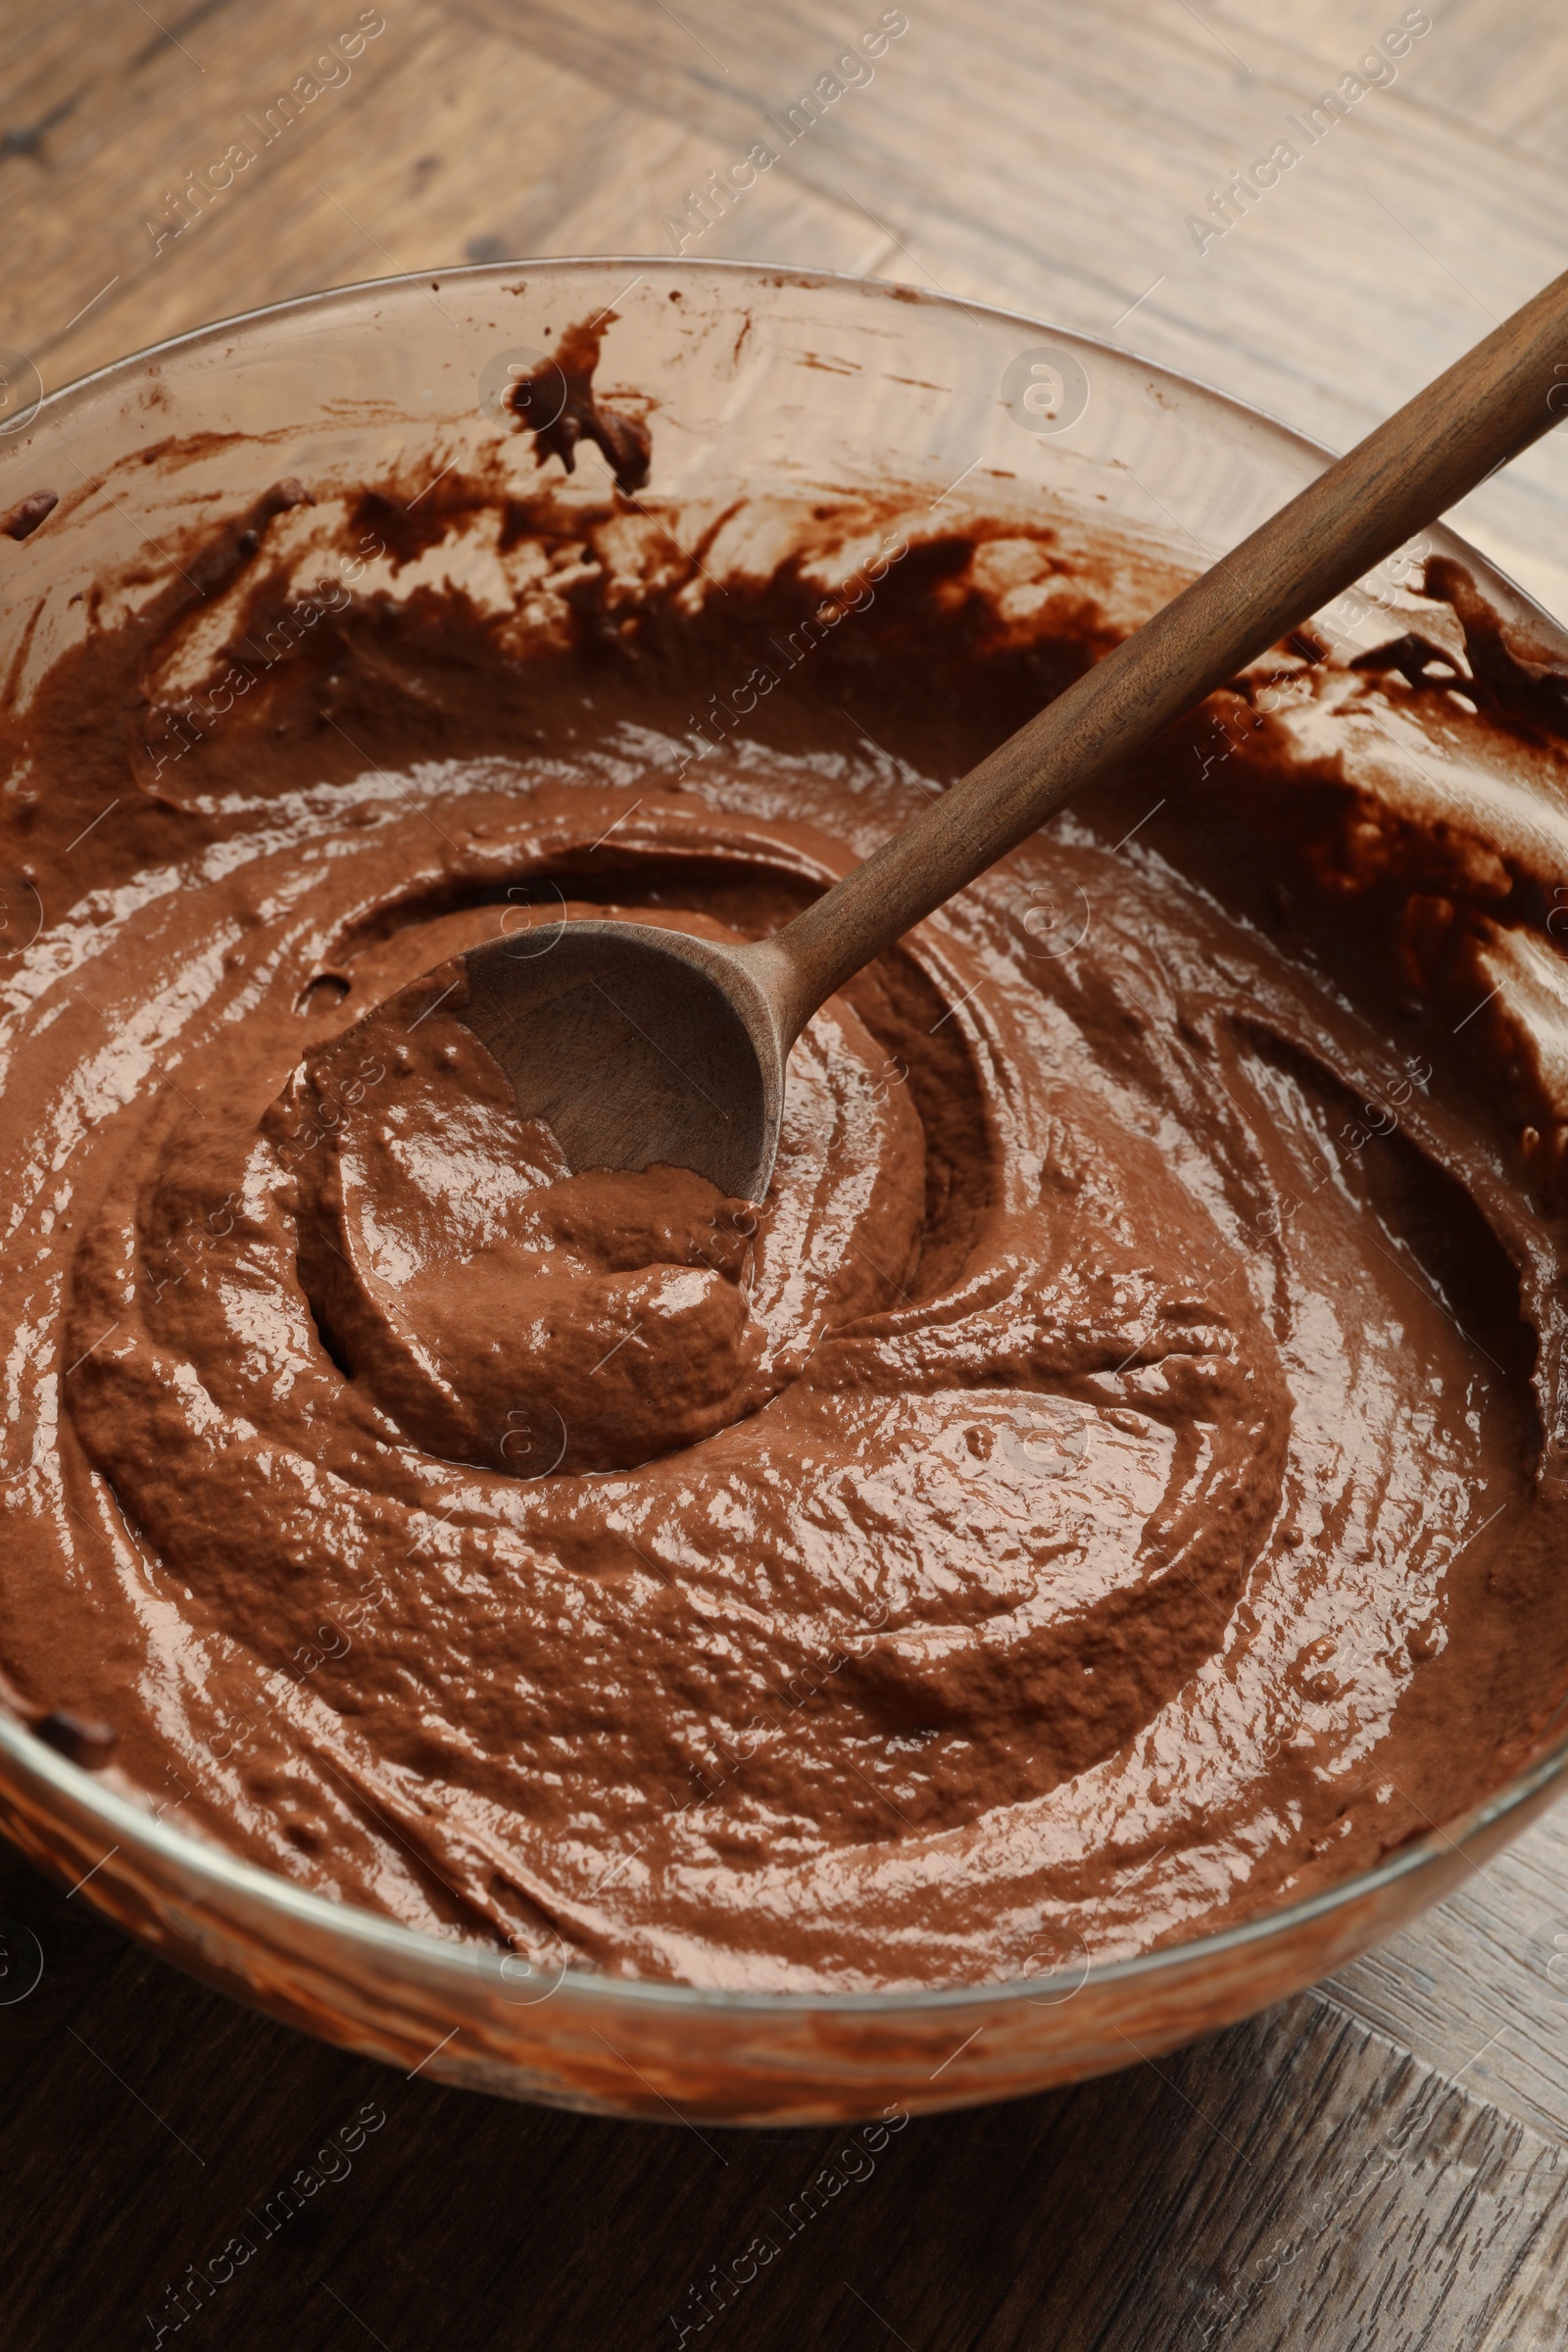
{"type": "Point", "coordinates": [759, 383]}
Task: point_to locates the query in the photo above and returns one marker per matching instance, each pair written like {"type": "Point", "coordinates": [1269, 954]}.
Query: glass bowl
{"type": "Point", "coordinates": [759, 381]}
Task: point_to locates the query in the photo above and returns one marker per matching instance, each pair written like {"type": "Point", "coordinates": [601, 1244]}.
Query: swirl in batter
{"type": "Point", "coordinates": [1097, 1496]}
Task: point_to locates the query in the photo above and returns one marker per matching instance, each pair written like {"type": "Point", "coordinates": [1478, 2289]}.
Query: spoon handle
{"type": "Point", "coordinates": [1479, 414]}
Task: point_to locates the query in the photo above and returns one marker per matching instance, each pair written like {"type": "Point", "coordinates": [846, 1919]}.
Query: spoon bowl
{"type": "Point", "coordinates": [639, 1046]}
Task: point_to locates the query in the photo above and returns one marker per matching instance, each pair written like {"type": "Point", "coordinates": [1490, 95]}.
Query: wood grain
{"type": "Point", "coordinates": [1295, 2183]}
{"type": "Point", "coordinates": [1045, 159]}
{"type": "Point", "coordinates": [1479, 1988]}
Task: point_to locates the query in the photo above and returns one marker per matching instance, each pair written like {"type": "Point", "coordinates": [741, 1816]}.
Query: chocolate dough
{"type": "Point", "coordinates": [1105, 1491]}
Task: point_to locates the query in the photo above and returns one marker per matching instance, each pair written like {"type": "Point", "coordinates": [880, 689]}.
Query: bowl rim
{"type": "Point", "coordinates": [195, 1856]}
{"type": "Point", "coordinates": [439, 1959]}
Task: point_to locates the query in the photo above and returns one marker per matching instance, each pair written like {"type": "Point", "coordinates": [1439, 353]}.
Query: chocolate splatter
{"type": "Point", "coordinates": [26, 515]}
{"type": "Point", "coordinates": [82, 1739]}
{"type": "Point", "coordinates": [557, 405]}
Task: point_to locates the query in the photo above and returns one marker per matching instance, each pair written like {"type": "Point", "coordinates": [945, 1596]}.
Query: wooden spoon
{"type": "Point", "coordinates": [641, 1046]}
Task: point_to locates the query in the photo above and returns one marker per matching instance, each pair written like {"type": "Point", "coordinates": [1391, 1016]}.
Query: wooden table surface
{"type": "Point", "coordinates": [1377, 2163]}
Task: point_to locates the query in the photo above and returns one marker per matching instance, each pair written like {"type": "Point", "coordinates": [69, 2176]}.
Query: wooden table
{"type": "Point", "coordinates": [1377, 2163]}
